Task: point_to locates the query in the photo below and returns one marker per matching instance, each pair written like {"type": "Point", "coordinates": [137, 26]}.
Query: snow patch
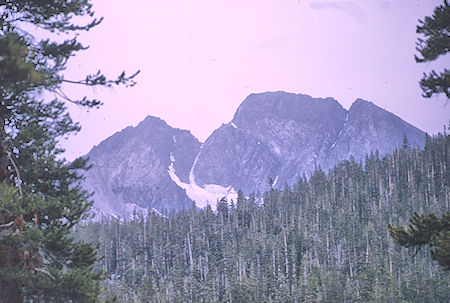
{"type": "Point", "coordinates": [191, 172]}
{"type": "Point", "coordinates": [174, 139]}
{"type": "Point", "coordinates": [234, 125]}
{"type": "Point", "coordinates": [131, 209]}
{"type": "Point", "coordinates": [340, 133]}
{"type": "Point", "coordinates": [275, 181]}
{"type": "Point", "coordinates": [172, 158]}
{"type": "Point", "coordinates": [259, 201]}
{"type": "Point", "coordinates": [203, 196]}
{"type": "Point", "coordinates": [155, 211]}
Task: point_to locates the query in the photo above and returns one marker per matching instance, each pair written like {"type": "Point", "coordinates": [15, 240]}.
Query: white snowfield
{"type": "Point", "coordinates": [275, 181]}
{"type": "Point", "coordinates": [202, 196]}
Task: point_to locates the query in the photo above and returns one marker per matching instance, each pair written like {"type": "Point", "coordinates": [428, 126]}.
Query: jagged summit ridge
{"type": "Point", "coordinates": [283, 106]}
{"type": "Point", "coordinates": [275, 135]}
{"type": "Point", "coordinates": [130, 167]}
{"type": "Point", "coordinates": [282, 136]}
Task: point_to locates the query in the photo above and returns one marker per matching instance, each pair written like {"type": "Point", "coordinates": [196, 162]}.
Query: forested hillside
{"type": "Point", "coordinates": [322, 240]}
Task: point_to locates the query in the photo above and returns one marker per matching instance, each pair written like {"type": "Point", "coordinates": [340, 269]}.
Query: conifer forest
{"type": "Point", "coordinates": [323, 239]}
{"type": "Point", "coordinates": [371, 230]}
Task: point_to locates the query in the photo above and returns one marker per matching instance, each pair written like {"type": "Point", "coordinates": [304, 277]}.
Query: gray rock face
{"type": "Point", "coordinates": [369, 128]}
{"type": "Point", "coordinates": [282, 136]}
{"type": "Point", "coordinates": [273, 135]}
{"type": "Point", "coordinates": [131, 166]}
{"type": "Point", "coordinates": [234, 158]}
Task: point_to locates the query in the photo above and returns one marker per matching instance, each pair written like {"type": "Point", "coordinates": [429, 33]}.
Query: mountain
{"type": "Point", "coordinates": [274, 135]}
{"type": "Point", "coordinates": [282, 136]}
{"type": "Point", "coordinates": [130, 168]}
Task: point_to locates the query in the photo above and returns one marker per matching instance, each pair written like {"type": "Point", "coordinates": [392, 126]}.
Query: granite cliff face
{"type": "Point", "coordinates": [369, 128]}
{"type": "Point", "coordinates": [130, 168]}
{"type": "Point", "coordinates": [273, 135]}
{"type": "Point", "coordinates": [283, 136]}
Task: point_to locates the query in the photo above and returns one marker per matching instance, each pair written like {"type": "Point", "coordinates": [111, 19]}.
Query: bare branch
{"type": "Point", "coordinates": [17, 172]}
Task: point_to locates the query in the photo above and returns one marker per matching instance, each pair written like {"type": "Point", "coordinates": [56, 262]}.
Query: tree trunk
{"type": "Point", "coordinates": [4, 172]}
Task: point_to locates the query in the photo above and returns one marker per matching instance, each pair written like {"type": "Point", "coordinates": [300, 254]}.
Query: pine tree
{"type": "Point", "coordinates": [41, 199]}
{"type": "Point", "coordinates": [436, 42]}
{"type": "Point", "coordinates": [429, 229]}
{"type": "Point", "coordinates": [426, 230]}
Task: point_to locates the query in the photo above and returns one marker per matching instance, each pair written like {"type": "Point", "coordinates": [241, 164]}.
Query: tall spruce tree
{"type": "Point", "coordinates": [429, 229]}
{"type": "Point", "coordinates": [40, 195]}
{"type": "Point", "coordinates": [435, 41]}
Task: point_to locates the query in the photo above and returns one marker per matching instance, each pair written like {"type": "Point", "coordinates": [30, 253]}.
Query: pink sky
{"type": "Point", "coordinates": [199, 60]}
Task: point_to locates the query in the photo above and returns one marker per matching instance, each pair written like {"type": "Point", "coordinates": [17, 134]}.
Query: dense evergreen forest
{"type": "Point", "coordinates": [323, 239]}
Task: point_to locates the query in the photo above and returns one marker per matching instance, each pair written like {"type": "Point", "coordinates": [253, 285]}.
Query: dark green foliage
{"type": "Point", "coordinates": [435, 42]}
{"type": "Point", "coordinates": [436, 83]}
{"type": "Point", "coordinates": [322, 240]}
{"type": "Point", "coordinates": [41, 199]}
{"type": "Point", "coordinates": [38, 257]}
{"type": "Point", "coordinates": [436, 30]}
{"type": "Point", "coordinates": [426, 230]}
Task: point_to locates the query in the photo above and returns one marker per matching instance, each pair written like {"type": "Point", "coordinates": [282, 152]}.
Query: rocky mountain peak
{"type": "Point", "coordinates": [131, 167]}
{"type": "Point", "coordinates": [273, 135]}
{"type": "Point", "coordinates": [282, 106]}
{"type": "Point", "coordinates": [152, 122]}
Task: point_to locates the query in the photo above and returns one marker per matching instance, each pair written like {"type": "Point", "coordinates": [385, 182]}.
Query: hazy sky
{"type": "Point", "coordinates": [199, 59]}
